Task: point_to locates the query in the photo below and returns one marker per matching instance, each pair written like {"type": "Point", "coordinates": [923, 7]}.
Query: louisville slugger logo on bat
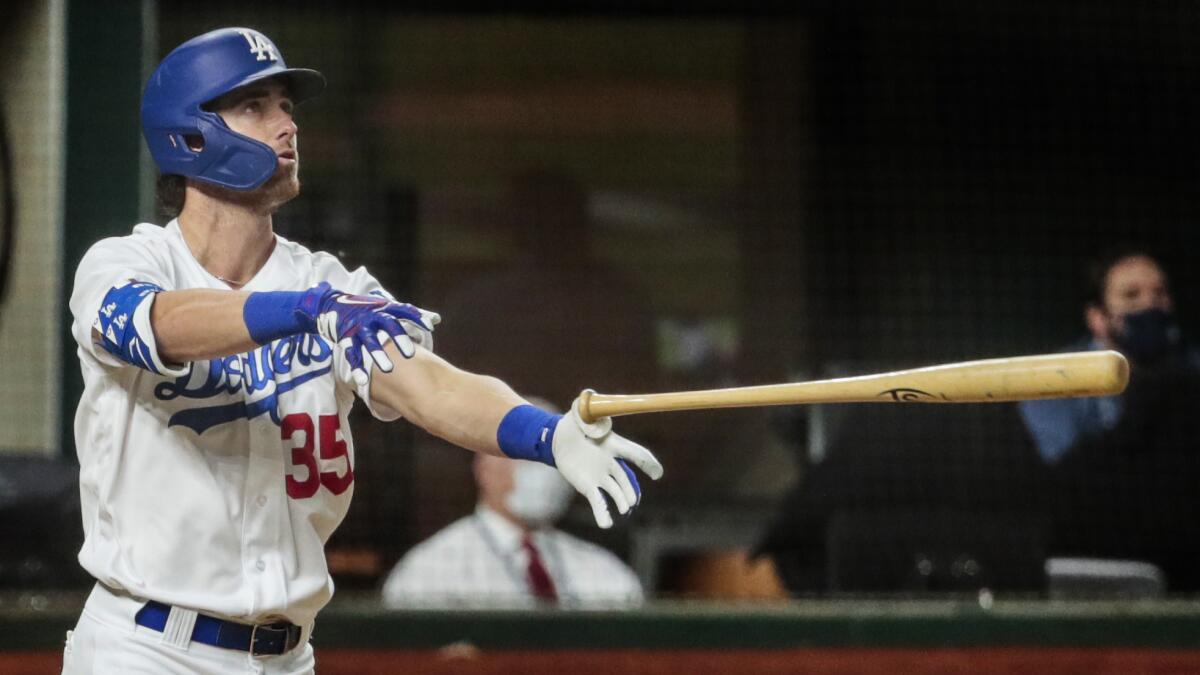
{"type": "Point", "coordinates": [905, 395]}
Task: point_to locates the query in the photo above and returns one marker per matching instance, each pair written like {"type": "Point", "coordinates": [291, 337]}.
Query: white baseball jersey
{"type": "Point", "coordinates": [213, 485]}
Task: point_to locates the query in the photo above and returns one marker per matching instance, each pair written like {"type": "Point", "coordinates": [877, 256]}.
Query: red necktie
{"type": "Point", "coordinates": [540, 582]}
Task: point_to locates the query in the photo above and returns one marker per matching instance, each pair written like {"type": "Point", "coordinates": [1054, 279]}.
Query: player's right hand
{"type": "Point", "coordinates": [593, 459]}
{"type": "Point", "coordinates": [358, 322]}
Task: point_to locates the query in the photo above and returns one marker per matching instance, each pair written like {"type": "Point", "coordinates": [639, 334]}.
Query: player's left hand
{"type": "Point", "coordinates": [358, 322]}
{"type": "Point", "coordinates": [592, 459]}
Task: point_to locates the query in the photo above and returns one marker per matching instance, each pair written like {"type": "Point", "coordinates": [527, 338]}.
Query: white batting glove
{"type": "Point", "coordinates": [590, 457]}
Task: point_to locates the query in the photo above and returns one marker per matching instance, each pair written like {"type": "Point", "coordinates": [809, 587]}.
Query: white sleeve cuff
{"type": "Point", "coordinates": [141, 322]}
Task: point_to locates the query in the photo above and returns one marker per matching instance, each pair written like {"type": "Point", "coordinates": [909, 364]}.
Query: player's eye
{"type": "Point", "coordinates": [253, 107]}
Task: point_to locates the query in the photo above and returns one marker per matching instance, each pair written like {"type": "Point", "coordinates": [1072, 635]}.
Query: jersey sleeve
{"type": "Point", "coordinates": [115, 286]}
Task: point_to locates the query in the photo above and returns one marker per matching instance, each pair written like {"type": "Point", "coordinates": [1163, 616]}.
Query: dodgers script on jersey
{"type": "Point", "coordinates": [213, 485]}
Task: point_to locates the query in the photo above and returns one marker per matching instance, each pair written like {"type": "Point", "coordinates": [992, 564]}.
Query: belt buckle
{"type": "Point", "coordinates": [253, 639]}
{"type": "Point", "coordinates": [271, 647]}
{"type": "Point", "coordinates": [289, 639]}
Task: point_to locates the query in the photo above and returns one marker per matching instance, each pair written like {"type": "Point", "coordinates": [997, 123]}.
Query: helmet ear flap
{"type": "Point", "coordinates": [182, 145]}
{"type": "Point", "coordinates": [208, 150]}
{"type": "Point", "coordinates": [232, 160]}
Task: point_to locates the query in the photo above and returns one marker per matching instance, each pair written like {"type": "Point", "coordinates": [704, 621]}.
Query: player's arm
{"type": "Point", "coordinates": [141, 324]}
{"type": "Point", "coordinates": [460, 407]}
{"type": "Point", "coordinates": [484, 414]}
{"type": "Point", "coordinates": [197, 324]}
{"type": "Point", "coordinates": [144, 325]}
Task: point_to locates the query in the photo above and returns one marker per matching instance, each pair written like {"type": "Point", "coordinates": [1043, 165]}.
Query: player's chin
{"type": "Point", "coordinates": [287, 170]}
{"type": "Point", "coordinates": [285, 184]}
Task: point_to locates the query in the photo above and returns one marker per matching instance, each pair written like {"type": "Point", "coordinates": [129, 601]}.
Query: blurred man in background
{"type": "Point", "coordinates": [1129, 309]}
{"type": "Point", "coordinates": [508, 552]}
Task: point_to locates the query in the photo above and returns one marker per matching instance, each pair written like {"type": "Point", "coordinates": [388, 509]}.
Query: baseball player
{"type": "Point", "coordinates": [220, 364]}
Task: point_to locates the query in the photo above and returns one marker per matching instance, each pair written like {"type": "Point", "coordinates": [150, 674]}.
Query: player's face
{"type": "Point", "coordinates": [263, 111]}
{"type": "Point", "coordinates": [1135, 284]}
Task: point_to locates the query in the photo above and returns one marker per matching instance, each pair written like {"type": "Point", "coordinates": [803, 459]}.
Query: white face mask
{"type": "Point", "coordinates": [540, 495]}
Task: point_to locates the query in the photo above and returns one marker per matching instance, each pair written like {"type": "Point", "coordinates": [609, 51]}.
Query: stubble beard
{"type": "Point", "coordinates": [282, 187]}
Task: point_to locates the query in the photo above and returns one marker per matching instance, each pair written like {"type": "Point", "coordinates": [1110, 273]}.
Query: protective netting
{"type": "Point", "coordinates": [685, 199]}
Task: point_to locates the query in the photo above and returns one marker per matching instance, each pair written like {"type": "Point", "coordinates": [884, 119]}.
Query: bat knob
{"type": "Point", "coordinates": [583, 405]}
{"type": "Point", "coordinates": [592, 426]}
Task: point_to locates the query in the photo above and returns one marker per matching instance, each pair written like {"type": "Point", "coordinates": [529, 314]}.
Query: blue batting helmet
{"type": "Point", "coordinates": [194, 74]}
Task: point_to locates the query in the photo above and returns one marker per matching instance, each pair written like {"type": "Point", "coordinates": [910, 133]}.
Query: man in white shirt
{"type": "Point", "coordinates": [508, 553]}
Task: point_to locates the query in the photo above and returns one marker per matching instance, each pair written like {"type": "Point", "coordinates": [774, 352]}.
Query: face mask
{"type": "Point", "coordinates": [1148, 335]}
{"type": "Point", "coordinates": [540, 495]}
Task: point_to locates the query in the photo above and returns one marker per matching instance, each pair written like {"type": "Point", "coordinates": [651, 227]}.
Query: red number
{"type": "Point", "coordinates": [302, 455]}
{"type": "Point", "coordinates": [332, 448]}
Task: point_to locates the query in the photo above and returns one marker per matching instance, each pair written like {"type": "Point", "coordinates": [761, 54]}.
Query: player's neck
{"type": "Point", "coordinates": [231, 242]}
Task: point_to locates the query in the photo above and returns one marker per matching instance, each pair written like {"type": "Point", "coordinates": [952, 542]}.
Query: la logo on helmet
{"type": "Point", "coordinates": [260, 45]}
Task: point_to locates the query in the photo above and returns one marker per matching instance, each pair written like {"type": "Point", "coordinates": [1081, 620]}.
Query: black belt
{"type": "Point", "coordinates": [271, 638]}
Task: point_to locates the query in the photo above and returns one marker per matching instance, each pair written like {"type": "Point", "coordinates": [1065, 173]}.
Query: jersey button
{"type": "Point", "coordinates": [261, 501]}
{"type": "Point", "coordinates": [260, 565]}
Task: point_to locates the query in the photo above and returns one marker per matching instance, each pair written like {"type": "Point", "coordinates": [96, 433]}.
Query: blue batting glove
{"type": "Point", "coordinates": [358, 322]}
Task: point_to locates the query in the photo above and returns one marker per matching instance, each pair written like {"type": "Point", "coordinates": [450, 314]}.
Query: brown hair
{"type": "Point", "coordinates": [169, 191]}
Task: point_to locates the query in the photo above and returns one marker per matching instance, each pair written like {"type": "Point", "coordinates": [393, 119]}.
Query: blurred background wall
{"type": "Point", "coordinates": [32, 106]}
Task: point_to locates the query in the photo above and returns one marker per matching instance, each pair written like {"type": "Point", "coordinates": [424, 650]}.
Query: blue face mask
{"type": "Point", "coordinates": [1148, 335]}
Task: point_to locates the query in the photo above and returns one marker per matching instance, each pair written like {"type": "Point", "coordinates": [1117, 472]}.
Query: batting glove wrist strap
{"type": "Point", "coordinates": [527, 432]}
{"type": "Point", "coordinates": [276, 314]}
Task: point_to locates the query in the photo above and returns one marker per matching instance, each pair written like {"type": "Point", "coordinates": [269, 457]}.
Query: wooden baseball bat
{"type": "Point", "coordinates": [1018, 378]}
